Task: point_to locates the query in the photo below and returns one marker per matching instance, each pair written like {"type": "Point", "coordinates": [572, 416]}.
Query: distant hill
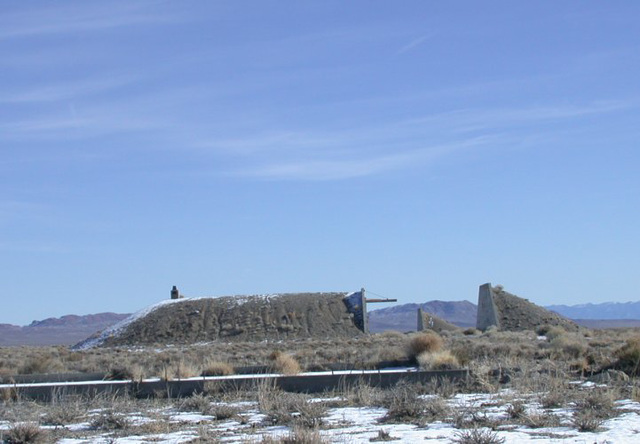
{"type": "Point", "coordinates": [66, 330]}
{"type": "Point", "coordinates": [608, 323]}
{"type": "Point", "coordinates": [607, 310]}
{"type": "Point", "coordinates": [405, 317]}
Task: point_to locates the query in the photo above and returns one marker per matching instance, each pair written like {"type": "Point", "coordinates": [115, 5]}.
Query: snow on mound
{"type": "Point", "coordinates": [98, 339]}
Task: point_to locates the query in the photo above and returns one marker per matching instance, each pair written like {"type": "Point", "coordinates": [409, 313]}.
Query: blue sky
{"type": "Point", "coordinates": [416, 148]}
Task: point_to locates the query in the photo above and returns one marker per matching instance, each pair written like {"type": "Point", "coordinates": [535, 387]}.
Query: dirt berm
{"type": "Point", "coordinates": [517, 314]}
{"type": "Point", "coordinates": [242, 318]}
{"type": "Point", "coordinates": [429, 321]}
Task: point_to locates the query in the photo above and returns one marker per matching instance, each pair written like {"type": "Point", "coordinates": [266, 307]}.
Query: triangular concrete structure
{"type": "Point", "coordinates": [509, 312]}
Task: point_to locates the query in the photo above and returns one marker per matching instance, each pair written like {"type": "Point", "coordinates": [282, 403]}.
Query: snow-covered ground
{"type": "Point", "coordinates": [348, 424]}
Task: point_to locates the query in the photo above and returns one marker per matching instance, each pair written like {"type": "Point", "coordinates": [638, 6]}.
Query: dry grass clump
{"type": "Point", "coordinates": [600, 401]}
{"type": "Point", "coordinates": [109, 420]}
{"type": "Point", "coordinates": [283, 408]}
{"type": "Point", "coordinates": [516, 410]}
{"type": "Point", "coordinates": [472, 417]}
{"type": "Point", "coordinates": [403, 404]}
{"type": "Point", "coordinates": [477, 436]}
{"type": "Point", "coordinates": [299, 435]}
{"type": "Point", "coordinates": [180, 370]}
{"type": "Point", "coordinates": [439, 360]}
{"type": "Point", "coordinates": [392, 334]}
{"type": "Point", "coordinates": [553, 399]}
{"type": "Point", "coordinates": [586, 421]}
{"type": "Point", "coordinates": [627, 357]}
{"type": "Point", "coordinates": [41, 364]}
{"type": "Point", "coordinates": [217, 368]}
{"type": "Point", "coordinates": [63, 413]}
{"type": "Point", "coordinates": [284, 363]}
{"type": "Point", "coordinates": [196, 403]}
{"type": "Point", "coordinates": [223, 411]}
{"type": "Point", "coordinates": [424, 343]}
{"type": "Point", "coordinates": [362, 395]}
{"type": "Point", "coordinates": [133, 372]}
{"type": "Point", "coordinates": [383, 436]}
{"type": "Point", "coordinates": [552, 332]}
{"type": "Point", "coordinates": [23, 433]}
{"type": "Point", "coordinates": [540, 420]}
{"type": "Point", "coordinates": [8, 394]}
{"type": "Point", "coordinates": [570, 345]}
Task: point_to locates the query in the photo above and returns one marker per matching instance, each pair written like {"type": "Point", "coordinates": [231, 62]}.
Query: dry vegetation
{"type": "Point", "coordinates": [583, 353]}
{"type": "Point", "coordinates": [538, 369]}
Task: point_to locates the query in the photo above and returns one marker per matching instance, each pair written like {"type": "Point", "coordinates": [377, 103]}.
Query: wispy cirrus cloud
{"type": "Point", "coordinates": [60, 18]}
{"type": "Point", "coordinates": [415, 43]}
{"type": "Point", "coordinates": [65, 91]}
{"type": "Point", "coordinates": [353, 166]}
{"type": "Point", "coordinates": [405, 144]}
{"type": "Point", "coordinates": [498, 117]}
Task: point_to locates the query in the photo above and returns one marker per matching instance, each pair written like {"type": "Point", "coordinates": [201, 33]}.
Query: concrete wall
{"type": "Point", "coordinates": [487, 312]}
{"type": "Point", "coordinates": [305, 383]}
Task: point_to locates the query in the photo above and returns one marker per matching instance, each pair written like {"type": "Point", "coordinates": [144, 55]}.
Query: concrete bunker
{"type": "Point", "coordinates": [242, 318]}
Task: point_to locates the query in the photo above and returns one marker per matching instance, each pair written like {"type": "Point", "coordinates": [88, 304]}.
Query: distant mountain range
{"type": "Point", "coordinates": [71, 329]}
{"type": "Point", "coordinates": [606, 310]}
{"type": "Point", "coordinates": [67, 330]}
{"type": "Point", "coordinates": [404, 317]}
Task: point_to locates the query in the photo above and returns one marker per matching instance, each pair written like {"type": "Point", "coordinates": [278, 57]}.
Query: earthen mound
{"type": "Point", "coordinates": [429, 321]}
{"type": "Point", "coordinates": [516, 314]}
{"type": "Point", "coordinates": [229, 318]}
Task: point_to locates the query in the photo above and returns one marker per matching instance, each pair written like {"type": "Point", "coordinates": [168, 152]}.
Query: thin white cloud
{"type": "Point", "coordinates": [496, 117]}
{"type": "Point", "coordinates": [65, 91]}
{"type": "Point", "coordinates": [353, 167]}
{"type": "Point", "coordinates": [415, 43]}
{"type": "Point", "coordinates": [83, 16]}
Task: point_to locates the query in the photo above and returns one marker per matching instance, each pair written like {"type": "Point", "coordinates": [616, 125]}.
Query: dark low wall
{"type": "Point", "coordinates": [174, 389]}
{"type": "Point", "coordinates": [52, 377]}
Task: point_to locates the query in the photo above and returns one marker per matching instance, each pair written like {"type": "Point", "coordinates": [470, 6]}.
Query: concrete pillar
{"type": "Point", "coordinates": [487, 312]}
{"type": "Point", "coordinates": [365, 316]}
{"type": "Point", "coordinates": [420, 320]}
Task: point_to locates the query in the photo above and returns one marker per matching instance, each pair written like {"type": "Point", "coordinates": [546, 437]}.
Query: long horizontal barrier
{"type": "Point", "coordinates": [244, 370]}
{"type": "Point", "coordinates": [305, 383]}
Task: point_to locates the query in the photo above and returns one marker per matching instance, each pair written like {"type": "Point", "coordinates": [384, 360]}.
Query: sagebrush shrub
{"type": "Point", "coordinates": [196, 403]}
{"type": "Point", "coordinates": [403, 404]}
{"type": "Point", "coordinates": [424, 343]}
{"type": "Point", "coordinates": [553, 332]}
{"type": "Point", "coordinates": [24, 433]}
{"type": "Point", "coordinates": [108, 420]}
{"type": "Point", "coordinates": [284, 363]}
{"type": "Point", "coordinates": [570, 345]}
{"type": "Point", "coordinates": [477, 436]}
{"type": "Point", "coordinates": [628, 357]}
{"type": "Point", "coordinates": [439, 360]}
{"type": "Point", "coordinates": [41, 364]}
{"type": "Point", "coordinates": [586, 421]}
